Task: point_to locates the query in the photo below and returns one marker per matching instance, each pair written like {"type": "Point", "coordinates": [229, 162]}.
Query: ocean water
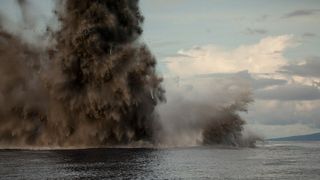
{"type": "Point", "coordinates": [273, 160]}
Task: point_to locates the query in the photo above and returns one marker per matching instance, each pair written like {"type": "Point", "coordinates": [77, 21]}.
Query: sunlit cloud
{"type": "Point", "coordinates": [265, 56]}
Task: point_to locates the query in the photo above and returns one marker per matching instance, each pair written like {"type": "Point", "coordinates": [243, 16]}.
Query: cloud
{"type": "Point", "coordinates": [258, 82]}
{"type": "Point", "coordinates": [301, 12]}
{"type": "Point", "coordinates": [274, 112]}
{"type": "Point", "coordinates": [307, 68]}
{"type": "Point", "coordinates": [265, 56]}
{"type": "Point", "coordinates": [309, 35]}
{"type": "Point", "coordinates": [261, 83]}
{"type": "Point", "coordinates": [255, 31]}
{"type": "Point", "coordinates": [290, 92]}
{"type": "Point", "coordinates": [263, 87]}
{"type": "Point", "coordinates": [255, 82]}
{"type": "Point", "coordinates": [263, 18]}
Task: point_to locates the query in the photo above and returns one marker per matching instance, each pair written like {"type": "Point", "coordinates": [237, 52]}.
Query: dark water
{"type": "Point", "coordinates": [277, 160]}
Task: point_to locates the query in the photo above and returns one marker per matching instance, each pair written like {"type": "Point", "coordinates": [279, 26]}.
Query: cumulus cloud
{"type": "Point", "coordinates": [265, 56]}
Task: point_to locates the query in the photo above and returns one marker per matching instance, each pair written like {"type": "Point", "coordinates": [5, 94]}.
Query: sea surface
{"type": "Point", "coordinates": [272, 160]}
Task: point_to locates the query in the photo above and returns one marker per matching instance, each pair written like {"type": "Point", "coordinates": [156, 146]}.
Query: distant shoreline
{"type": "Point", "coordinates": [308, 137]}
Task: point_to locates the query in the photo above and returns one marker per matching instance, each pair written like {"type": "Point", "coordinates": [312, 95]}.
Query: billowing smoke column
{"type": "Point", "coordinates": [101, 76]}
{"type": "Point", "coordinates": [92, 83]}
{"type": "Point", "coordinates": [95, 85]}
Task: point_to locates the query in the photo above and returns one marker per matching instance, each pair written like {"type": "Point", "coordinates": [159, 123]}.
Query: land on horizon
{"type": "Point", "coordinates": [307, 137]}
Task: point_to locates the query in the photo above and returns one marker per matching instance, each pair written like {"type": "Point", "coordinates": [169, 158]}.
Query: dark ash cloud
{"type": "Point", "coordinates": [94, 87]}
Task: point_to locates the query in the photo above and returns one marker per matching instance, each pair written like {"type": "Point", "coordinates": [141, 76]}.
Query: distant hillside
{"type": "Point", "coordinates": [309, 137]}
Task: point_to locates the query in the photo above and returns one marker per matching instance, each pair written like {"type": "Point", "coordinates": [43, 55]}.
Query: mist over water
{"type": "Point", "coordinates": [88, 81]}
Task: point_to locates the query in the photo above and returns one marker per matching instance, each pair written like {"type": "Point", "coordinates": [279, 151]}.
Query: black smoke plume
{"type": "Point", "coordinates": [94, 85]}
{"type": "Point", "coordinates": [88, 81]}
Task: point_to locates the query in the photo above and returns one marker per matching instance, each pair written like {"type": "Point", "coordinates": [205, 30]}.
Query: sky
{"type": "Point", "coordinates": [273, 45]}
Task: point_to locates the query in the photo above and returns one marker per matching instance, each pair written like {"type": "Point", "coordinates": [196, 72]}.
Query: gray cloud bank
{"type": "Point", "coordinates": [291, 92]}
{"type": "Point", "coordinates": [301, 12]}
{"type": "Point", "coordinates": [310, 68]}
